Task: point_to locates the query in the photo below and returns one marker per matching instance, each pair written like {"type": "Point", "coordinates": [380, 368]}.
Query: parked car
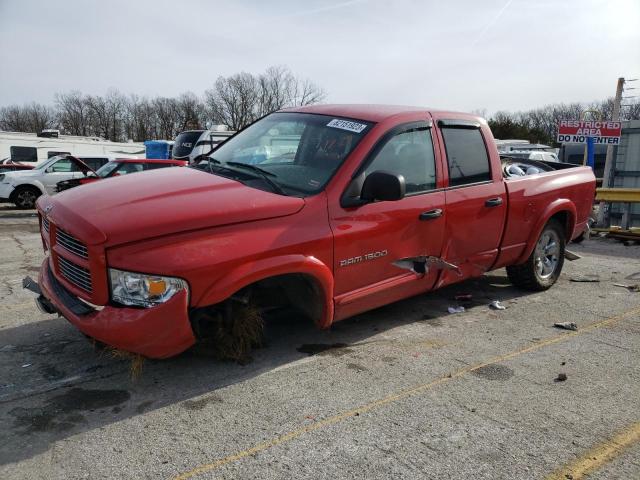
{"type": "Point", "coordinates": [121, 166]}
{"type": "Point", "coordinates": [24, 187]}
{"type": "Point", "coordinates": [7, 165]}
{"type": "Point", "coordinates": [372, 205]}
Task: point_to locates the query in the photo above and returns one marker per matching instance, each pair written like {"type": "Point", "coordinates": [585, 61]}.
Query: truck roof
{"type": "Point", "coordinates": [368, 112]}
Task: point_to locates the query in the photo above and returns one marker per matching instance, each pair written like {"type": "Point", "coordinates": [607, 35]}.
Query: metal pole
{"type": "Point", "coordinates": [603, 216]}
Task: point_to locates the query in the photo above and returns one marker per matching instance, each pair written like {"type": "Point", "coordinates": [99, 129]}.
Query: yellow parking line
{"type": "Point", "coordinates": [396, 397]}
{"type": "Point", "coordinates": [599, 455]}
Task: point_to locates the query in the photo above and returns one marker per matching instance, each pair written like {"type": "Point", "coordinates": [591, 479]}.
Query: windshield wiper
{"type": "Point", "coordinates": [264, 174]}
{"type": "Point", "coordinates": [209, 161]}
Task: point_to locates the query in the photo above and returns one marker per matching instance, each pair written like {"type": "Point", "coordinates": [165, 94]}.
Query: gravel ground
{"type": "Point", "coordinates": [405, 391]}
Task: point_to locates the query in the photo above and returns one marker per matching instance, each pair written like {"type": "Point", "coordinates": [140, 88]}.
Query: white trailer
{"type": "Point", "coordinates": [31, 149]}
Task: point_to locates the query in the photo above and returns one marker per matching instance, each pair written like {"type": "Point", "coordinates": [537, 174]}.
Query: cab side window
{"type": "Point", "coordinates": [409, 154]}
{"type": "Point", "coordinates": [466, 155]}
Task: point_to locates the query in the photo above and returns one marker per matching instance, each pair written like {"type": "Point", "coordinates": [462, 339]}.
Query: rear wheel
{"type": "Point", "coordinates": [543, 267]}
{"type": "Point", "coordinates": [25, 197]}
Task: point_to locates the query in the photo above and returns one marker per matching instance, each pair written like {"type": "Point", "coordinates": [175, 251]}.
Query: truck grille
{"type": "Point", "coordinates": [71, 243]}
{"type": "Point", "coordinates": [45, 224]}
{"type": "Point", "coordinates": [77, 275]}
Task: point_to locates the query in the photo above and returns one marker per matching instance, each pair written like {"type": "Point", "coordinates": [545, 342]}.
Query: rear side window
{"type": "Point", "coordinates": [467, 156]}
{"type": "Point", "coordinates": [409, 154]}
{"type": "Point", "coordinates": [24, 154]}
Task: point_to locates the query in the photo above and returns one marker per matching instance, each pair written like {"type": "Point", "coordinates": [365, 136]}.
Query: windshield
{"type": "Point", "coordinates": [184, 143]}
{"type": "Point", "coordinates": [47, 163]}
{"type": "Point", "coordinates": [107, 168]}
{"type": "Point", "coordinates": [299, 152]}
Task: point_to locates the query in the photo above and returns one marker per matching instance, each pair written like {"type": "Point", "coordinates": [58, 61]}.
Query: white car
{"type": "Point", "coordinates": [24, 187]}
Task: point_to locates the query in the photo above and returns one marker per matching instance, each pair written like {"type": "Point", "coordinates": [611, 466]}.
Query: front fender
{"type": "Point", "coordinates": [252, 272]}
{"type": "Point", "coordinates": [557, 206]}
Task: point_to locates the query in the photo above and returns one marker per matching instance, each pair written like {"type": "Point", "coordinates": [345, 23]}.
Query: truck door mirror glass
{"type": "Point", "coordinates": [384, 186]}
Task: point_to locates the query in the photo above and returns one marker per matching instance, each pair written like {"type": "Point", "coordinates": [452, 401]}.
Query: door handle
{"type": "Point", "coordinates": [493, 202]}
{"type": "Point", "coordinates": [431, 214]}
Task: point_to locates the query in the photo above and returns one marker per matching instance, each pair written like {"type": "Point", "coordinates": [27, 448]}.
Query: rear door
{"type": "Point", "coordinates": [370, 238]}
{"type": "Point", "coordinates": [476, 199]}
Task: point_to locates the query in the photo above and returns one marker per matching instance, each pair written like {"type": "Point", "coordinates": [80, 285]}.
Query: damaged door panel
{"type": "Point", "coordinates": [422, 264]}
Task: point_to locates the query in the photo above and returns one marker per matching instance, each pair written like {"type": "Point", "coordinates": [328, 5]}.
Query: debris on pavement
{"type": "Point", "coordinates": [566, 325]}
{"type": "Point", "coordinates": [571, 256]}
{"type": "Point", "coordinates": [562, 377]}
{"type": "Point", "coordinates": [633, 276]}
{"type": "Point", "coordinates": [589, 277]}
{"type": "Point", "coordinates": [137, 361]}
{"type": "Point", "coordinates": [632, 288]}
{"type": "Point", "coordinates": [459, 309]}
{"type": "Point", "coordinates": [26, 365]}
{"type": "Point", "coordinates": [497, 305]}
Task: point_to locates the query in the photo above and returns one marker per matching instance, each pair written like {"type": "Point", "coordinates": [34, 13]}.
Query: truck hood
{"type": "Point", "coordinates": [160, 202]}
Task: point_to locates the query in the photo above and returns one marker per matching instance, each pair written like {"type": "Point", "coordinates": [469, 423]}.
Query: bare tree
{"type": "Point", "coordinates": [73, 112]}
{"type": "Point", "coordinates": [233, 100]}
{"type": "Point", "coordinates": [13, 118]}
{"type": "Point", "coordinates": [307, 93]}
{"type": "Point", "coordinates": [33, 117]}
{"type": "Point", "coordinates": [242, 98]}
{"type": "Point", "coordinates": [190, 112]}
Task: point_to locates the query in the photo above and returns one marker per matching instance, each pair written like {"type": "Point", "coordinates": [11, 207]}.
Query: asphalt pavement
{"type": "Point", "coordinates": [405, 391]}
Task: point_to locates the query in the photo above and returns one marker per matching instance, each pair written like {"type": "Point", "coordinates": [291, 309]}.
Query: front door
{"type": "Point", "coordinates": [63, 169]}
{"type": "Point", "coordinates": [370, 240]}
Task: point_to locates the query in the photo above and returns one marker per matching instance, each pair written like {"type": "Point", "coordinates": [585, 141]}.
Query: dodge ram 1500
{"type": "Point", "coordinates": [327, 210]}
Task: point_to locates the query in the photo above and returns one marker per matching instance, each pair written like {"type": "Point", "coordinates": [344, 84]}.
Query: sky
{"type": "Point", "coordinates": [466, 55]}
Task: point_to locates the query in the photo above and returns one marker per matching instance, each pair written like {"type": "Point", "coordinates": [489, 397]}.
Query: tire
{"type": "Point", "coordinates": [25, 197]}
{"type": "Point", "coordinates": [543, 267]}
{"type": "Point", "coordinates": [579, 239]}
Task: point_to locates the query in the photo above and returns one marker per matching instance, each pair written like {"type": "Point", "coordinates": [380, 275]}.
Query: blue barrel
{"type": "Point", "coordinates": [157, 149]}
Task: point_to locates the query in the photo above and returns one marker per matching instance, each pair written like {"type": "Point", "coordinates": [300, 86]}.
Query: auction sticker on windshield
{"type": "Point", "coordinates": [347, 125]}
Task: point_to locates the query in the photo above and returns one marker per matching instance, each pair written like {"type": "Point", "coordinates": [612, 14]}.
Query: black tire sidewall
{"type": "Point", "coordinates": [18, 190]}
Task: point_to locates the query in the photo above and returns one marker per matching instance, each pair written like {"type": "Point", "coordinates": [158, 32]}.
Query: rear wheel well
{"type": "Point", "coordinates": [565, 218]}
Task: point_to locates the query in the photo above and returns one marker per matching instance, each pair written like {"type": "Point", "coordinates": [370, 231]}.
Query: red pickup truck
{"type": "Point", "coordinates": [328, 211]}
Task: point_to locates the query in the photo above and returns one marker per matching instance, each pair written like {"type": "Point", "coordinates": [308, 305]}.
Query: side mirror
{"type": "Point", "coordinates": [384, 186]}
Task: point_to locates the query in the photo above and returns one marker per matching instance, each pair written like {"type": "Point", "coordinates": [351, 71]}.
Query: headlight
{"type": "Point", "coordinates": [143, 290]}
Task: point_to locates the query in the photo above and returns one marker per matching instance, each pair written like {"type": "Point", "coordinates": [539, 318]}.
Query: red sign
{"type": "Point", "coordinates": [577, 131]}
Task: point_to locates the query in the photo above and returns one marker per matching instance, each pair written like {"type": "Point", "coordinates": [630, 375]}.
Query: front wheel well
{"type": "Point", "coordinates": [295, 291]}
{"type": "Point", "coordinates": [290, 294]}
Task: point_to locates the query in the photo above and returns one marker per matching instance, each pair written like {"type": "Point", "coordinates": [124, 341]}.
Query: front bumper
{"type": "Point", "coordinates": [157, 332]}
{"type": "Point", "coordinates": [5, 191]}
